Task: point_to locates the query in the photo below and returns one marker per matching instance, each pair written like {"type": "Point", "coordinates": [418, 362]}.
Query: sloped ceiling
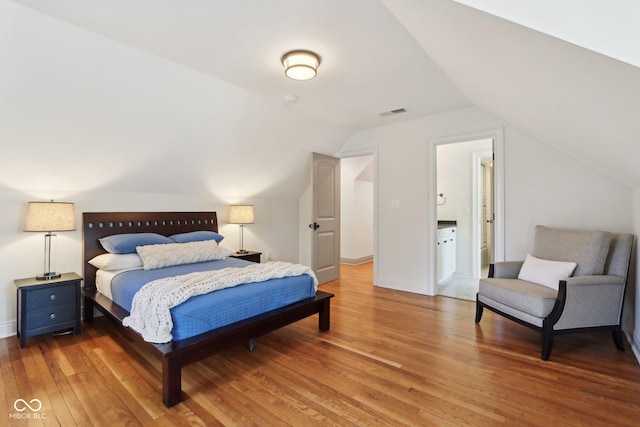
{"type": "Point", "coordinates": [161, 80]}
{"type": "Point", "coordinates": [163, 96]}
{"type": "Point", "coordinates": [609, 28]}
{"type": "Point", "coordinates": [80, 112]}
{"type": "Point", "coordinates": [583, 103]}
{"type": "Point", "coordinates": [369, 65]}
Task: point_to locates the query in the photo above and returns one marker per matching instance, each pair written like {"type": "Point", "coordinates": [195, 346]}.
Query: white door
{"type": "Point", "coordinates": [488, 214]}
{"type": "Point", "coordinates": [325, 248]}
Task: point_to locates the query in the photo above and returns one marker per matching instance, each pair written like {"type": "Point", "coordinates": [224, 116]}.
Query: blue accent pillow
{"type": "Point", "coordinates": [126, 243]}
{"type": "Point", "coordinates": [197, 236]}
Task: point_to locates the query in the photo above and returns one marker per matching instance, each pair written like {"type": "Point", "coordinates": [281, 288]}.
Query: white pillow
{"type": "Point", "coordinates": [116, 261]}
{"type": "Point", "coordinates": [545, 272]}
{"type": "Point", "coordinates": [166, 255]}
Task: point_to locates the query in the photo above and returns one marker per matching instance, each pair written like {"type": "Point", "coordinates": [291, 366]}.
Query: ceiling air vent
{"type": "Point", "coordinates": [393, 112]}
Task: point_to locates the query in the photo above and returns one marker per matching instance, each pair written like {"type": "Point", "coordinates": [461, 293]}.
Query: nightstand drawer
{"type": "Point", "coordinates": [51, 297]}
{"type": "Point", "coordinates": [42, 318]}
{"type": "Point", "coordinates": [45, 306]}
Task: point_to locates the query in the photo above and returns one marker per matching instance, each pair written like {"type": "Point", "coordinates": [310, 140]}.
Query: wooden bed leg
{"type": "Point", "coordinates": [324, 315]}
{"type": "Point", "coordinates": [171, 381]}
{"type": "Point", "coordinates": [88, 309]}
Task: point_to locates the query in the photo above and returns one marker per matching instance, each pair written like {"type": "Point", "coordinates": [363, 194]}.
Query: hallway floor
{"type": "Point", "coordinates": [459, 287]}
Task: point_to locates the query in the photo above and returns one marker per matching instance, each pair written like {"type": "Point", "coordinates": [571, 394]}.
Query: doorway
{"type": "Point", "coordinates": [357, 177]}
{"type": "Point", "coordinates": [484, 199]}
{"type": "Point", "coordinates": [465, 215]}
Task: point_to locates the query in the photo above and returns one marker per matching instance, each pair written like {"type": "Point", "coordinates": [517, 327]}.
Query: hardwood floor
{"type": "Point", "coordinates": [390, 358]}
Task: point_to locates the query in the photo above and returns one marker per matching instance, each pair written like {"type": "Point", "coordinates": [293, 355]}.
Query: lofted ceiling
{"type": "Point", "coordinates": [609, 28]}
{"type": "Point", "coordinates": [370, 63]}
{"type": "Point", "coordinates": [426, 56]}
{"type": "Point", "coordinates": [578, 101]}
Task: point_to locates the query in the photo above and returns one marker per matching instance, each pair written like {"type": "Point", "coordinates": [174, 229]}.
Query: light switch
{"type": "Point", "coordinates": [395, 203]}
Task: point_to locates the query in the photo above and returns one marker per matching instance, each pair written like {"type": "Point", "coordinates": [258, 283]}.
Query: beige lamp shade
{"type": "Point", "coordinates": [240, 214]}
{"type": "Point", "coordinates": [50, 216]}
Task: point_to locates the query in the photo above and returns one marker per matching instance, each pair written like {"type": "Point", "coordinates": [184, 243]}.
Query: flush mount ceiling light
{"type": "Point", "coordinates": [300, 64]}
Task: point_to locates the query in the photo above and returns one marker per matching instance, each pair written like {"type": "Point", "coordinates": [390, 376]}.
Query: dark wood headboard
{"type": "Point", "coordinates": [102, 224]}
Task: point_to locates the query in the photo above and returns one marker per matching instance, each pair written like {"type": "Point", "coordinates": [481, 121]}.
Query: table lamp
{"type": "Point", "coordinates": [49, 217]}
{"type": "Point", "coordinates": [242, 215]}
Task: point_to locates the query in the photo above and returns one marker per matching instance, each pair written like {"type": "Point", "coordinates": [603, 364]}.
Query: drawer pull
{"type": "Point", "coordinates": [52, 316]}
{"type": "Point", "coordinates": [52, 297]}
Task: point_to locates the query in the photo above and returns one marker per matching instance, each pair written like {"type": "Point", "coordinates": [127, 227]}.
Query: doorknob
{"type": "Point", "coordinates": [489, 221]}
{"type": "Point", "coordinates": [315, 225]}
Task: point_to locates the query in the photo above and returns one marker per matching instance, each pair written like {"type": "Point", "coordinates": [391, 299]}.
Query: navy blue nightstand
{"type": "Point", "coordinates": [46, 306]}
{"type": "Point", "coordinates": [249, 256]}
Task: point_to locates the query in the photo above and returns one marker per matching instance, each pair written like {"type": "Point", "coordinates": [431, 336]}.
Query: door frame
{"type": "Point", "coordinates": [476, 214]}
{"type": "Point", "coordinates": [373, 151]}
{"type": "Point", "coordinates": [498, 191]}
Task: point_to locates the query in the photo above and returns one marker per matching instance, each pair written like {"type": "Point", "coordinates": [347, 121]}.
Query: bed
{"type": "Point", "coordinates": [181, 352]}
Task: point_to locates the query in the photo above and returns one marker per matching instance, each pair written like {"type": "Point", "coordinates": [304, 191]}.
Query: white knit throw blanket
{"type": "Point", "coordinates": [150, 315]}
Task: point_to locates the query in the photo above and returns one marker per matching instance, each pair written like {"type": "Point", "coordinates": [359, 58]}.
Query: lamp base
{"type": "Point", "coordinates": [242, 251]}
{"type": "Point", "coordinates": [48, 276]}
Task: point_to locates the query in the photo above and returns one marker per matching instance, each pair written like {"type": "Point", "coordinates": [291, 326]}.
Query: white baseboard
{"type": "Point", "coordinates": [8, 329]}
{"type": "Point", "coordinates": [356, 261]}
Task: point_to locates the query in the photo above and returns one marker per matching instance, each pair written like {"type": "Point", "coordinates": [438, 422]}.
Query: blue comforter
{"type": "Point", "coordinates": [219, 308]}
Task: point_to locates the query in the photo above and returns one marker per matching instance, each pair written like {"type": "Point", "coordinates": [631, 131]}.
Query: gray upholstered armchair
{"type": "Point", "coordinates": [591, 298]}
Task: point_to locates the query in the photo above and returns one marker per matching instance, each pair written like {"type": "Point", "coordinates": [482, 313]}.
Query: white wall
{"type": "Point", "coordinates": [545, 186]}
{"type": "Point", "coordinates": [403, 176]}
{"type": "Point", "coordinates": [305, 217]}
{"type": "Point", "coordinates": [356, 204]}
{"type": "Point", "coordinates": [455, 180]}
{"type": "Point", "coordinates": [542, 186]}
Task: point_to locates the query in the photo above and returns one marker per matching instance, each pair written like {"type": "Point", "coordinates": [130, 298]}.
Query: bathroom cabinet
{"type": "Point", "coordinates": [446, 252]}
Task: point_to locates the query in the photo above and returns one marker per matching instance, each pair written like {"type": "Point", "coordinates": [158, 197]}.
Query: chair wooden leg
{"type": "Point", "coordinates": [479, 310]}
{"type": "Point", "coordinates": [617, 338]}
{"type": "Point", "coordinates": [547, 344]}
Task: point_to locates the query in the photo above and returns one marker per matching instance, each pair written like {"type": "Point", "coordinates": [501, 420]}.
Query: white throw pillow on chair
{"type": "Point", "coordinates": [545, 272]}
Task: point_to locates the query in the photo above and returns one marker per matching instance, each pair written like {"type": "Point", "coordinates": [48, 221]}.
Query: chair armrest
{"type": "Point", "coordinates": [505, 269]}
{"type": "Point", "coordinates": [595, 280]}
{"type": "Point", "coordinates": [591, 301]}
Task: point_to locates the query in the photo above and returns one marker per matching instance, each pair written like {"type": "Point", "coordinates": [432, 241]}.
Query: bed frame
{"type": "Point", "coordinates": [176, 354]}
